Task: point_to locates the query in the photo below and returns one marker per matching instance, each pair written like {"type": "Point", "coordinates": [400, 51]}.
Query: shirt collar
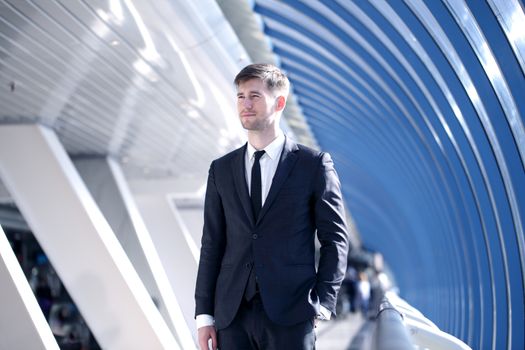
{"type": "Point", "coordinates": [272, 150]}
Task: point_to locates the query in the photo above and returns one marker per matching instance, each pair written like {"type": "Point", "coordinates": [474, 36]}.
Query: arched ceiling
{"type": "Point", "coordinates": [421, 104]}
{"type": "Point", "coordinates": [148, 83]}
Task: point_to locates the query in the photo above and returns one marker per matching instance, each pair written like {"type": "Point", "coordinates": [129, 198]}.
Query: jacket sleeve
{"type": "Point", "coordinates": [212, 248]}
{"type": "Point", "coordinates": [331, 233]}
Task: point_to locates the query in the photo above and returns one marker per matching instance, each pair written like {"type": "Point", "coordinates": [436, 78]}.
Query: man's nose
{"type": "Point", "coordinates": [247, 103]}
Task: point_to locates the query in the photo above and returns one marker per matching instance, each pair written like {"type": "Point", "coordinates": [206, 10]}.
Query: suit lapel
{"type": "Point", "coordinates": [286, 163]}
{"type": "Point", "coordinates": [239, 176]}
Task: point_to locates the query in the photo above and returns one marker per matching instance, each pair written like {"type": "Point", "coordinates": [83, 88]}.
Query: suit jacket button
{"type": "Point", "coordinates": [254, 236]}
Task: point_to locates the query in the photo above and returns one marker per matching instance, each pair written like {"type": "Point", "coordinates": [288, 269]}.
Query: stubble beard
{"type": "Point", "coordinates": [253, 125]}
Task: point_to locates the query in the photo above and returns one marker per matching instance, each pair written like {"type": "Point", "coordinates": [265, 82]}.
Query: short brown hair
{"type": "Point", "coordinates": [273, 77]}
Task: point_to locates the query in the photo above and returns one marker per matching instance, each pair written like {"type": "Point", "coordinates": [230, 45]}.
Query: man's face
{"type": "Point", "coordinates": [257, 106]}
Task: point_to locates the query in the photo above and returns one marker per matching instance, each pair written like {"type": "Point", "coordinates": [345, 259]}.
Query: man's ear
{"type": "Point", "coordinates": [281, 103]}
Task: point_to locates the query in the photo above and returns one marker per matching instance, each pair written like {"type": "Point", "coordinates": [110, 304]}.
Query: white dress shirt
{"type": "Point", "coordinates": [268, 162]}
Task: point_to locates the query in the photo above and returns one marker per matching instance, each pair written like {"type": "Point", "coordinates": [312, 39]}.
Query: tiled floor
{"type": "Point", "coordinates": [338, 334]}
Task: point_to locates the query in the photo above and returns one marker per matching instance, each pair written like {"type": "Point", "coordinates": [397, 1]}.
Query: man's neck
{"type": "Point", "coordinates": [259, 140]}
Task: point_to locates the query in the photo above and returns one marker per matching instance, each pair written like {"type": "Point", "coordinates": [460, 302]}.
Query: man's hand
{"type": "Point", "coordinates": [205, 334]}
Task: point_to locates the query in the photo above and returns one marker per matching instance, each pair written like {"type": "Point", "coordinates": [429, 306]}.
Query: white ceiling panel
{"type": "Point", "coordinates": [148, 83]}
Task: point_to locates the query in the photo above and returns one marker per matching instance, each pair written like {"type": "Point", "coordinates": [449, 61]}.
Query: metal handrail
{"type": "Point", "coordinates": [390, 332]}
{"type": "Point", "coordinates": [409, 329]}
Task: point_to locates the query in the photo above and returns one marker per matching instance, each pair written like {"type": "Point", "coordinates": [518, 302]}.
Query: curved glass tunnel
{"type": "Point", "coordinates": [421, 104]}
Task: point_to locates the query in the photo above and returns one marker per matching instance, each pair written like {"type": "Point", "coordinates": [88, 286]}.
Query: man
{"type": "Point", "coordinates": [257, 285]}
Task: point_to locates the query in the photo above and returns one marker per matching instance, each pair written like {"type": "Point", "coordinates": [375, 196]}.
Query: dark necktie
{"type": "Point", "coordinates": [255, 188]}
{"type": "Point", "coordinates": [256, 195]}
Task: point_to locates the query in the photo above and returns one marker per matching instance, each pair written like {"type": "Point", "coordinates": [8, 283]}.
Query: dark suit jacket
{"type": "Point", "coordinates": [304, 197]}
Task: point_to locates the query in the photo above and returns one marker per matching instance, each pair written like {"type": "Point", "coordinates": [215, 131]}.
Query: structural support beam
{"type": "Point", "coordinates": [175, 244]}
{"type": "Point", "coordinates": [108, 186]}
{"type": "Point", "coordinates": [22, 323]}
{"type": "Point", "coordinates": [79, 241]}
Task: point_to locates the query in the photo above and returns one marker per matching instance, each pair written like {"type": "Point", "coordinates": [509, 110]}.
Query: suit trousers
{"type": "Point", "coordinates": [251, 329]}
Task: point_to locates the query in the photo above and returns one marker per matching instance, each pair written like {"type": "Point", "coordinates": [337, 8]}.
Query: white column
{"type": "Point", "coordinates": [189, 209]}
{"type": "Point", "coordinates": [109, 188]}
{"type": "Point", "coordinates": [78, 241]}
{"type": "Point", "coordinates": [22, 323]}
{"type": "Point", "coordinates": [175, 243]}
